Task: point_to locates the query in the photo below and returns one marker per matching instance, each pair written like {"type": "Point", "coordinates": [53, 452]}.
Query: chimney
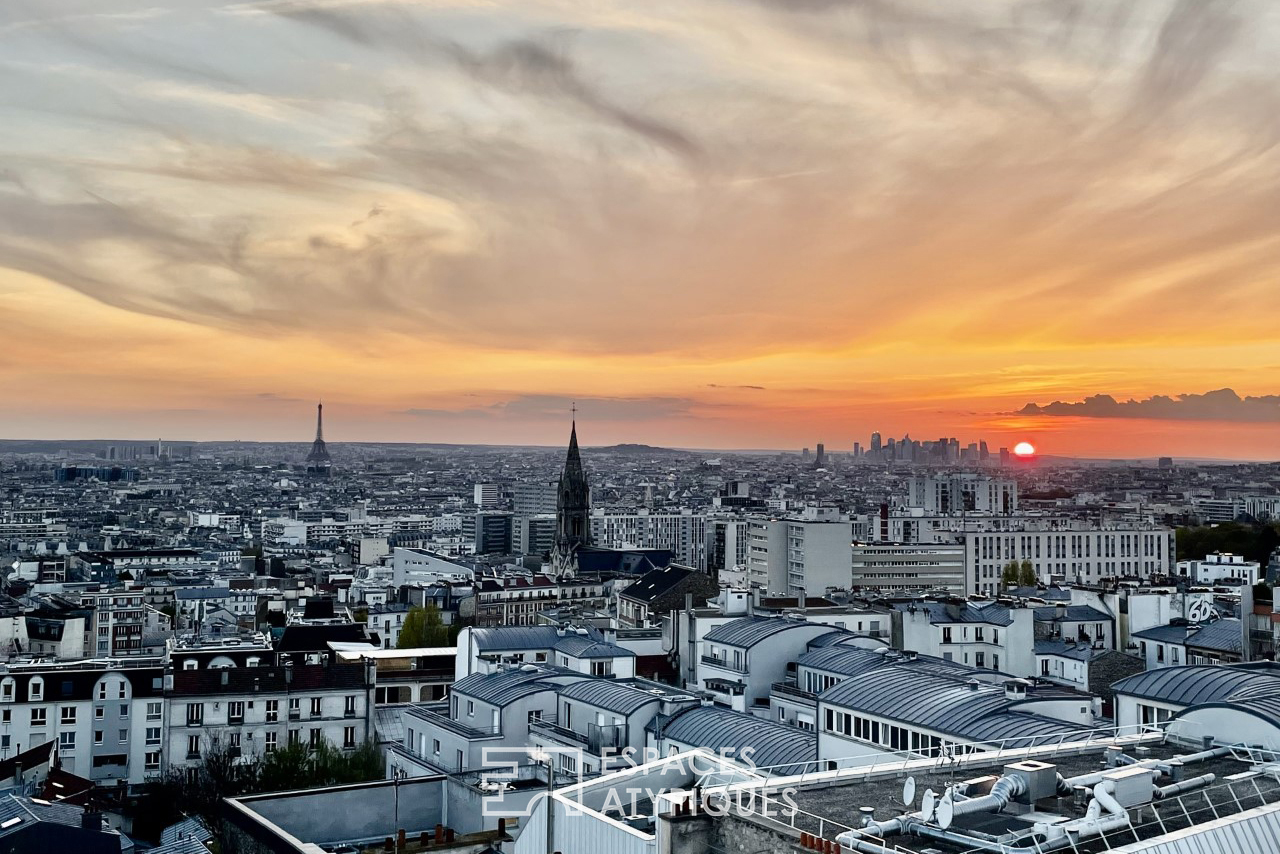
{"type": "Point", "coordinates": [288, 672]}
{"type": "Point", "coordinates": [226, 676]}
{"type": "Point", "coordinates": [17, 774]}
{"type": "Point", "coordinates": [91, 819]}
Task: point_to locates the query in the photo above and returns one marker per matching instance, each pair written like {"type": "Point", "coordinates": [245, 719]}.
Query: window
{"type": "Point", "coordinates": [97, 736]}
{"type": "Point", "coordinates": [273, 711]}
{"type": "Point", "coordinates": [67, 741]}
{"type": "Point", "coordinates": [6, 690]}
{"type": "Point", "coordinates": [946, 634]}
{"type": "Point", "coordinates": [124, 710]}
{"type": "Point", "coordinates": [122, 690]}
{"type": "Point", "coordinates": [269, 742]}
{"type": "Point", "coordinates": [152, 761]}
{"type": "Point", "coordinates": [154, 710]}
{"type": "Point", "coordinates": [602, 668]}
{"type": "Point", "coordinates": [295, 707]}
{"type": "Point", "coordinates": [102, 690]}
{"type": "Point", "coordinates": [314, 737]}
{"type": "Point", "coordinates": [295, 736]}
{"type": "Point", "coordinates": [315, 707]}
{"type": "Point", "coordinates": [124, 736]}
{"type": "Point", "coordinates": [39, 717]}
{"type": "Point", "coordinates": [68, 715]}
{"type": "Point", "coordinates": [235, 712]}
{"type": "Point", "coordinates": [6, 716]}
{"type": "Point", "coordinates": [535, 715]}
{"type": "Point", "coordinates": [190, 664]}
{"type": "Point", "coordinates": [153, 735]}
{"type": "Point", "coordinates": [435, 746]}
{"type": "Point", "coordinates": [349, 707]}
{"type": "Point", "coordinates": [234, 742]}
{"type": "Point", "coordinates": [195, 714]}
{"type": "Point", "coordinates": [471, 709]}
{"type": "Point", "coordinates": [348, 736]}
{"type": "Point", "coordinates": [193, 746]}
{"type": "Point", "coordinates": [35, 690]}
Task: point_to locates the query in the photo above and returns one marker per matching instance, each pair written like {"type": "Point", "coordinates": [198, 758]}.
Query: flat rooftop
{"type": "Point", "coordinates": [831, 802]}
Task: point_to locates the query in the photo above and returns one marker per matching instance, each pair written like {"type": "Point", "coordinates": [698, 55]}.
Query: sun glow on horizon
{"type": "Point", "coordinates": [1024, 449]}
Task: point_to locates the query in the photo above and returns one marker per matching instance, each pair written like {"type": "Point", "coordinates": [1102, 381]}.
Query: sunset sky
{"type": "Point", "coordinates": [712, 223]}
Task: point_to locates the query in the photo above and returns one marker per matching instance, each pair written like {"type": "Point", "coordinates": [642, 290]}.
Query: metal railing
{"type": "Point", "coordinates": [723, 663]}
{"type": "Point", "coordinates": [875, 763]}
{"type": "Point", "coordinates": [445, 722]}
{"type": "Point", "coordinates": [789, 690]}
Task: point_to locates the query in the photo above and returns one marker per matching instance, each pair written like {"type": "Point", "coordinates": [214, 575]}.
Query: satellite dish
{"type": "Point", "coordinates": [909, 791]}
{"type": "Point", "coordinates": [946, 813]}
{"type": "Point", "coordinates": [928, 804]}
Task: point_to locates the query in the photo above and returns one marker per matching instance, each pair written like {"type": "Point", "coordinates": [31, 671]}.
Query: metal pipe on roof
{"type": "Point", "coordinates": [1161, 765]}
{"type": "Point", "coordinates": [1183, 786]}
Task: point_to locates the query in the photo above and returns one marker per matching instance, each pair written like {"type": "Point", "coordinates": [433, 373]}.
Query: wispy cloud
{"type": "Point", "coordinates": [537, 407]}
{"type": "Point", "coordinates": [1221, 405]}
{"type": "Point", "coordinates": [539, 162]}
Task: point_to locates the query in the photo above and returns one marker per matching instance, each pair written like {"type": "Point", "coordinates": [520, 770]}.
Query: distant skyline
{"type": "Point", "coordinates": [713, 223]}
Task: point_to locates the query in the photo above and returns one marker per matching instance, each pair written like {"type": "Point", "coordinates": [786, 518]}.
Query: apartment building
{"type": "Point", "coordinates": [807, 552]}
{"type": "Point", "coordinates": [107, 718]}
{"type": "Point", "coordinates": [986, 636]}
{"type": "Point", "coordinates": [255, 710]}
{"type": "Point", "coordinates": [1072, 553]}
{"type": "Point", "coordinates": [892, 568]}
{"type": "Point", "coordinates": [684, 534]}
{"type": "Point", "coordinates": [119, 619]}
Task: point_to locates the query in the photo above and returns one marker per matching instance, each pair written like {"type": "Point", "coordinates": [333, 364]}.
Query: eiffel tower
{"type": "Point", "coordinates": [319, 461]}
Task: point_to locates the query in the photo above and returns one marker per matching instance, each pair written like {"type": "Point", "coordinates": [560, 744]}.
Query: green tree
{"type": "Point", "coordinates": [1026, 574]}
{"type": "Point", "coordinates": [1009, 575]}
{"type": "Point", "coordinates": [423, 627]}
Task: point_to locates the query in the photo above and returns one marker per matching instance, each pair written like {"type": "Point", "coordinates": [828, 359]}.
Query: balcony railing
{"type": "Point", "coordinates": [445, 722]}
{"type": "Point", "coordinates": [546, 725]}
{"type": "Point", "coordinates": [432, 761]}
{"type": "Point", "coordinates": [723, 664]}
{"type": "Point", "coordinates": [786, 689]}
{"type": "Point", "coordinates": [596, 739]}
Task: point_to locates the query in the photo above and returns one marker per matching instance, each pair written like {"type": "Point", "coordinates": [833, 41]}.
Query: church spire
{"type": "Point", "coordinates": [573, 506]}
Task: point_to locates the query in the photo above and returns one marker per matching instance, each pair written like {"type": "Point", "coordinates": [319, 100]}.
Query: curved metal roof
{"type": "Point", "coordinates": [523, 637]}
{"type": "Point", "coordinates": [944, 704]}
{"type": "Point", "coordinates": [725, 732]}
{"type": "Point", "coordinates": [585, 646]}
{"type": "Point", "coordinates": [621, 697]}
{"type": "Point", "coordinates": [507, 686]}
{"type": "Point", "coordinates": [1199, 684]}
{"type": "Point", "coordinates": [746, 632]}
{"type": "Point", "coordinates": [1266, 708]}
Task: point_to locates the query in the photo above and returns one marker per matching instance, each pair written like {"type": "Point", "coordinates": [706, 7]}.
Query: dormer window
{"type": "Point", "coordinates": [35, 690]}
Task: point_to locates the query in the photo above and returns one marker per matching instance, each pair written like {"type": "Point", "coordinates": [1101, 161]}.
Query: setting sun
{"type": "Point", "coordinates": [1024, 449]}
